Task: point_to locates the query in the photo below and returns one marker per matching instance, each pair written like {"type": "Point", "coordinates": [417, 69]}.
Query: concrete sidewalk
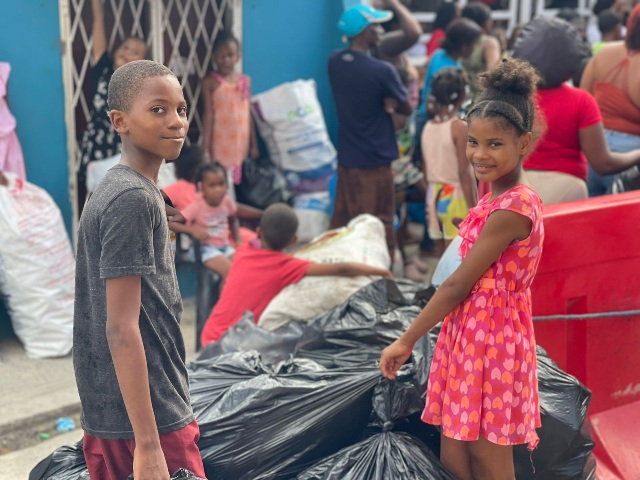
{"type": "Point", "coordinates": [37, 392]}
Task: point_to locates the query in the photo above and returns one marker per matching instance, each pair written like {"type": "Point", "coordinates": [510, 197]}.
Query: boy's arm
{"type": "Point", "coordinates": [234, 225]}
{"type": "Point", "coordinates": [99, 44]}
{"type": "Point", "coordinates": [346, 269]}
{"type": "Point", "coordinates": [130, 363]}
{"type": "Point", "coordinates": [247, 212]}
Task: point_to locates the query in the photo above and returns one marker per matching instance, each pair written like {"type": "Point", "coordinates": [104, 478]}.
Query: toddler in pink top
{"type": "Point", "coordinates": [210, 217]}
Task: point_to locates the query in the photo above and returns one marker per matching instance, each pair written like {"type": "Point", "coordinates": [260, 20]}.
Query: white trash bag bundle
{"type": "Point", "coordinates": [363, 240]}
{"type": "Point", "coordinates": [37, 269]}
{"type": "Point", "coordinates": [290, 120]}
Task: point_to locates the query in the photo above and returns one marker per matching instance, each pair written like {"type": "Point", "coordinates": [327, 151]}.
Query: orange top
{"type": "Point", "coordinates": [619, 113]}
{"type": "Point", "coordinates": [231, 122]}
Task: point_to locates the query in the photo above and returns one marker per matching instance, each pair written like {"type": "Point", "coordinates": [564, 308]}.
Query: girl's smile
{"type": "Point", "coordinates": [496, 150]}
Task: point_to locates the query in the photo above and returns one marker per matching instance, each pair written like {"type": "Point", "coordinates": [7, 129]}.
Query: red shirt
{"type": "Point", "coordinates": [256, 276]}
{"type": "Point", "coordinates": [567, 110]}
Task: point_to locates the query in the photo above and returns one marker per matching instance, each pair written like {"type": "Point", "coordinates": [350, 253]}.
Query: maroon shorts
{"type": "Point", "coordinates": [113, 459]}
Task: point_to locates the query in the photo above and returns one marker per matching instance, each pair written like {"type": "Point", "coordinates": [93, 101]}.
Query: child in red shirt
{"type": "Point", "coordinates": [259, 274]}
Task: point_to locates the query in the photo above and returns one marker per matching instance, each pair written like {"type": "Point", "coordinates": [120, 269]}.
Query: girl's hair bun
{"type": "Point", "coordinates": [511, 76]}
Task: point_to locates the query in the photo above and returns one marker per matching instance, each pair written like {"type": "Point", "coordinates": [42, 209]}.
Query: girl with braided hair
{"type": "Point", "coordinates": [451, 187]}
{"type": "Point", "coordinates": [483, 386]}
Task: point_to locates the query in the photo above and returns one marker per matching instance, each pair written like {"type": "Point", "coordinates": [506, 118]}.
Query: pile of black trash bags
{"type": "Point", "coordinates": [307, 402]}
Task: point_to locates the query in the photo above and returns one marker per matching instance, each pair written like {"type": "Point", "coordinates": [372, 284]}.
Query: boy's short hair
{"type": "Point", "coordinates": [127, 81]}
{"type": "Point", "coordinates": [608, 20]}
{"type": "Point", "coordinates": [279, 225]}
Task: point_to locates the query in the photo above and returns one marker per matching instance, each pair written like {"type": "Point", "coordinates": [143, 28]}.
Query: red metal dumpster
{"type": "Point", "coordinates": [591, 264]}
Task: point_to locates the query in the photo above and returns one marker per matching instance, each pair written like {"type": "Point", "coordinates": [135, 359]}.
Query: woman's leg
{"type": "Point", "coordinates": [454, 455]}
{"type": "Point", "coordinates": [490, 461]}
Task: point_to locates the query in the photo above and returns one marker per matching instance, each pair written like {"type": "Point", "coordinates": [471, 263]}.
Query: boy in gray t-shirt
{"type": "Point", "coordinates": [129, 355]}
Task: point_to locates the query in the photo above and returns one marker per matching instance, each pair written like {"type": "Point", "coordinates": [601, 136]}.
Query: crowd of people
{"type": "Point", "coordinates": [485, 135]}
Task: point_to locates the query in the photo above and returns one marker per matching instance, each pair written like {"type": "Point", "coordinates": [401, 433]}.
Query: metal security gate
{"type": "Point", "coordinates": [178, 33]}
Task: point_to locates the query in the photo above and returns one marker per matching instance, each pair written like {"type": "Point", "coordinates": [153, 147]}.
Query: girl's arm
{"type": "Point", "coordinates": [208, 86]}
{"type": "Point", "coordinates": [99, 45]}
{"type": "Point", "coordinates": [594, 145]}
{"type": "Point", "coordinates": [491, 51]}
{"type": "Point", "coordinates": [459, 131]}
{"type": "Point", "coordinates": [234, 225]}
{"type": "Point", "coordinates": [502, 228]}
{"type": "Point", "coordinates": [196, 231]}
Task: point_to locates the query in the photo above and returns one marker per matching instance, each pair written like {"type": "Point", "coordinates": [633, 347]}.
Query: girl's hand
{"type": "Point", "coordinates": [393, 357]}
{"type": "Point", "coordinates": [177, 218]}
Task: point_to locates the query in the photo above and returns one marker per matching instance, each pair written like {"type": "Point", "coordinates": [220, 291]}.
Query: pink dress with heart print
{"type": "Point", "coordinates": [483, 378]}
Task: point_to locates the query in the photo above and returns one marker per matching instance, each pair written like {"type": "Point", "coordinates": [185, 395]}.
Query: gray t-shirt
{"type": "Point", "coordinates": [123, 231]}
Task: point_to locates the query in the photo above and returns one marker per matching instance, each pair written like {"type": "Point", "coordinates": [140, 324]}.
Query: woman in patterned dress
{"type": "Point", "coordinates": [483, 387]}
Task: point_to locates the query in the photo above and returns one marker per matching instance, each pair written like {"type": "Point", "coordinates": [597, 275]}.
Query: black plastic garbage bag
{"type": "Point", "coordinates": [385, 454]}
{"type": "Point", "coordinates": [372, 318]}
{"type": "Point", "coordinates": [180, 474]}
{"type": "Point", "coordinates": [65, 463]}
{"type": "Point", "coordinates": [564, 445]}
{"type": "Point", "coordinates": [273, 346]}
{"type": "Point", "coordinates": [350, 334]}
{"type": "Point", "coordinates": [627, 181]}
{"type": "Point", "coordinates": [271, 422]}
{"type": "Point", "coordinates": [263, 184]}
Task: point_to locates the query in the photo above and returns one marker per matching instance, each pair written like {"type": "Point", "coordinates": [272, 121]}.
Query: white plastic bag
{"type": "Point", "coordinates": [312, 210]}
{"type": "Point", "coordinates": [37, 269]}
{"type": "Point", "coordinates": [362, 241]}
{"type": "Point", "coordinates": [448, 263]}
{"type": "Point", "coordinates": [290, 121]}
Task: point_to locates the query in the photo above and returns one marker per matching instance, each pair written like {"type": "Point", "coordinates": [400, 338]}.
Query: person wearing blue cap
{"type": "Point", "coordinates": [366, 92]}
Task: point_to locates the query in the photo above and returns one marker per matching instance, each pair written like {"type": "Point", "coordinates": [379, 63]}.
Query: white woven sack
{"type": "Point", "coordinates": [290, 120]}
{"type": "Point", "coordinates": [362, 241]}
{"type": "Point", "coordinates": [312, 210]}
{"type": "Point", "coordinates": [37, 269]}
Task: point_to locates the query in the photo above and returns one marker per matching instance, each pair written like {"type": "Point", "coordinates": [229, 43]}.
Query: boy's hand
{"type": "Point", "coordinates": [199, 233]}
{"type": "Point", "coordinates": [388, 274]}
{"type": "Point", "coordinates": [393, 357]}
{"type": "Point", "coordinates": [390, 105]}
{"type": "Point", "coordinates": [149, 464]}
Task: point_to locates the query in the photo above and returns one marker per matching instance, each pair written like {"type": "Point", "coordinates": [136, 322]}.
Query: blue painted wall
{"type": "Point", "coordinates": [285, 40]}
{"type": "Point", "coordinates": [30, 41]}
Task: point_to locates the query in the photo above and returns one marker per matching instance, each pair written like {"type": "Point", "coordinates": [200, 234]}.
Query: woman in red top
{"type": "Point", "coordinates": [557, 169]}
{"type": "Point", "coordinates": [613, 78]}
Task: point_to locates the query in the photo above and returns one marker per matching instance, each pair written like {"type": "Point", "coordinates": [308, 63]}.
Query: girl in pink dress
{"type": "Point", "coordinates": [483, 386]}
{"type": "Point", "coordinates": [228, 134]}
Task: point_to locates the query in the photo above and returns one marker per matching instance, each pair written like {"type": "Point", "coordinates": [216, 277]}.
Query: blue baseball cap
{"type": "Point", "coordinates": [357, 18]}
